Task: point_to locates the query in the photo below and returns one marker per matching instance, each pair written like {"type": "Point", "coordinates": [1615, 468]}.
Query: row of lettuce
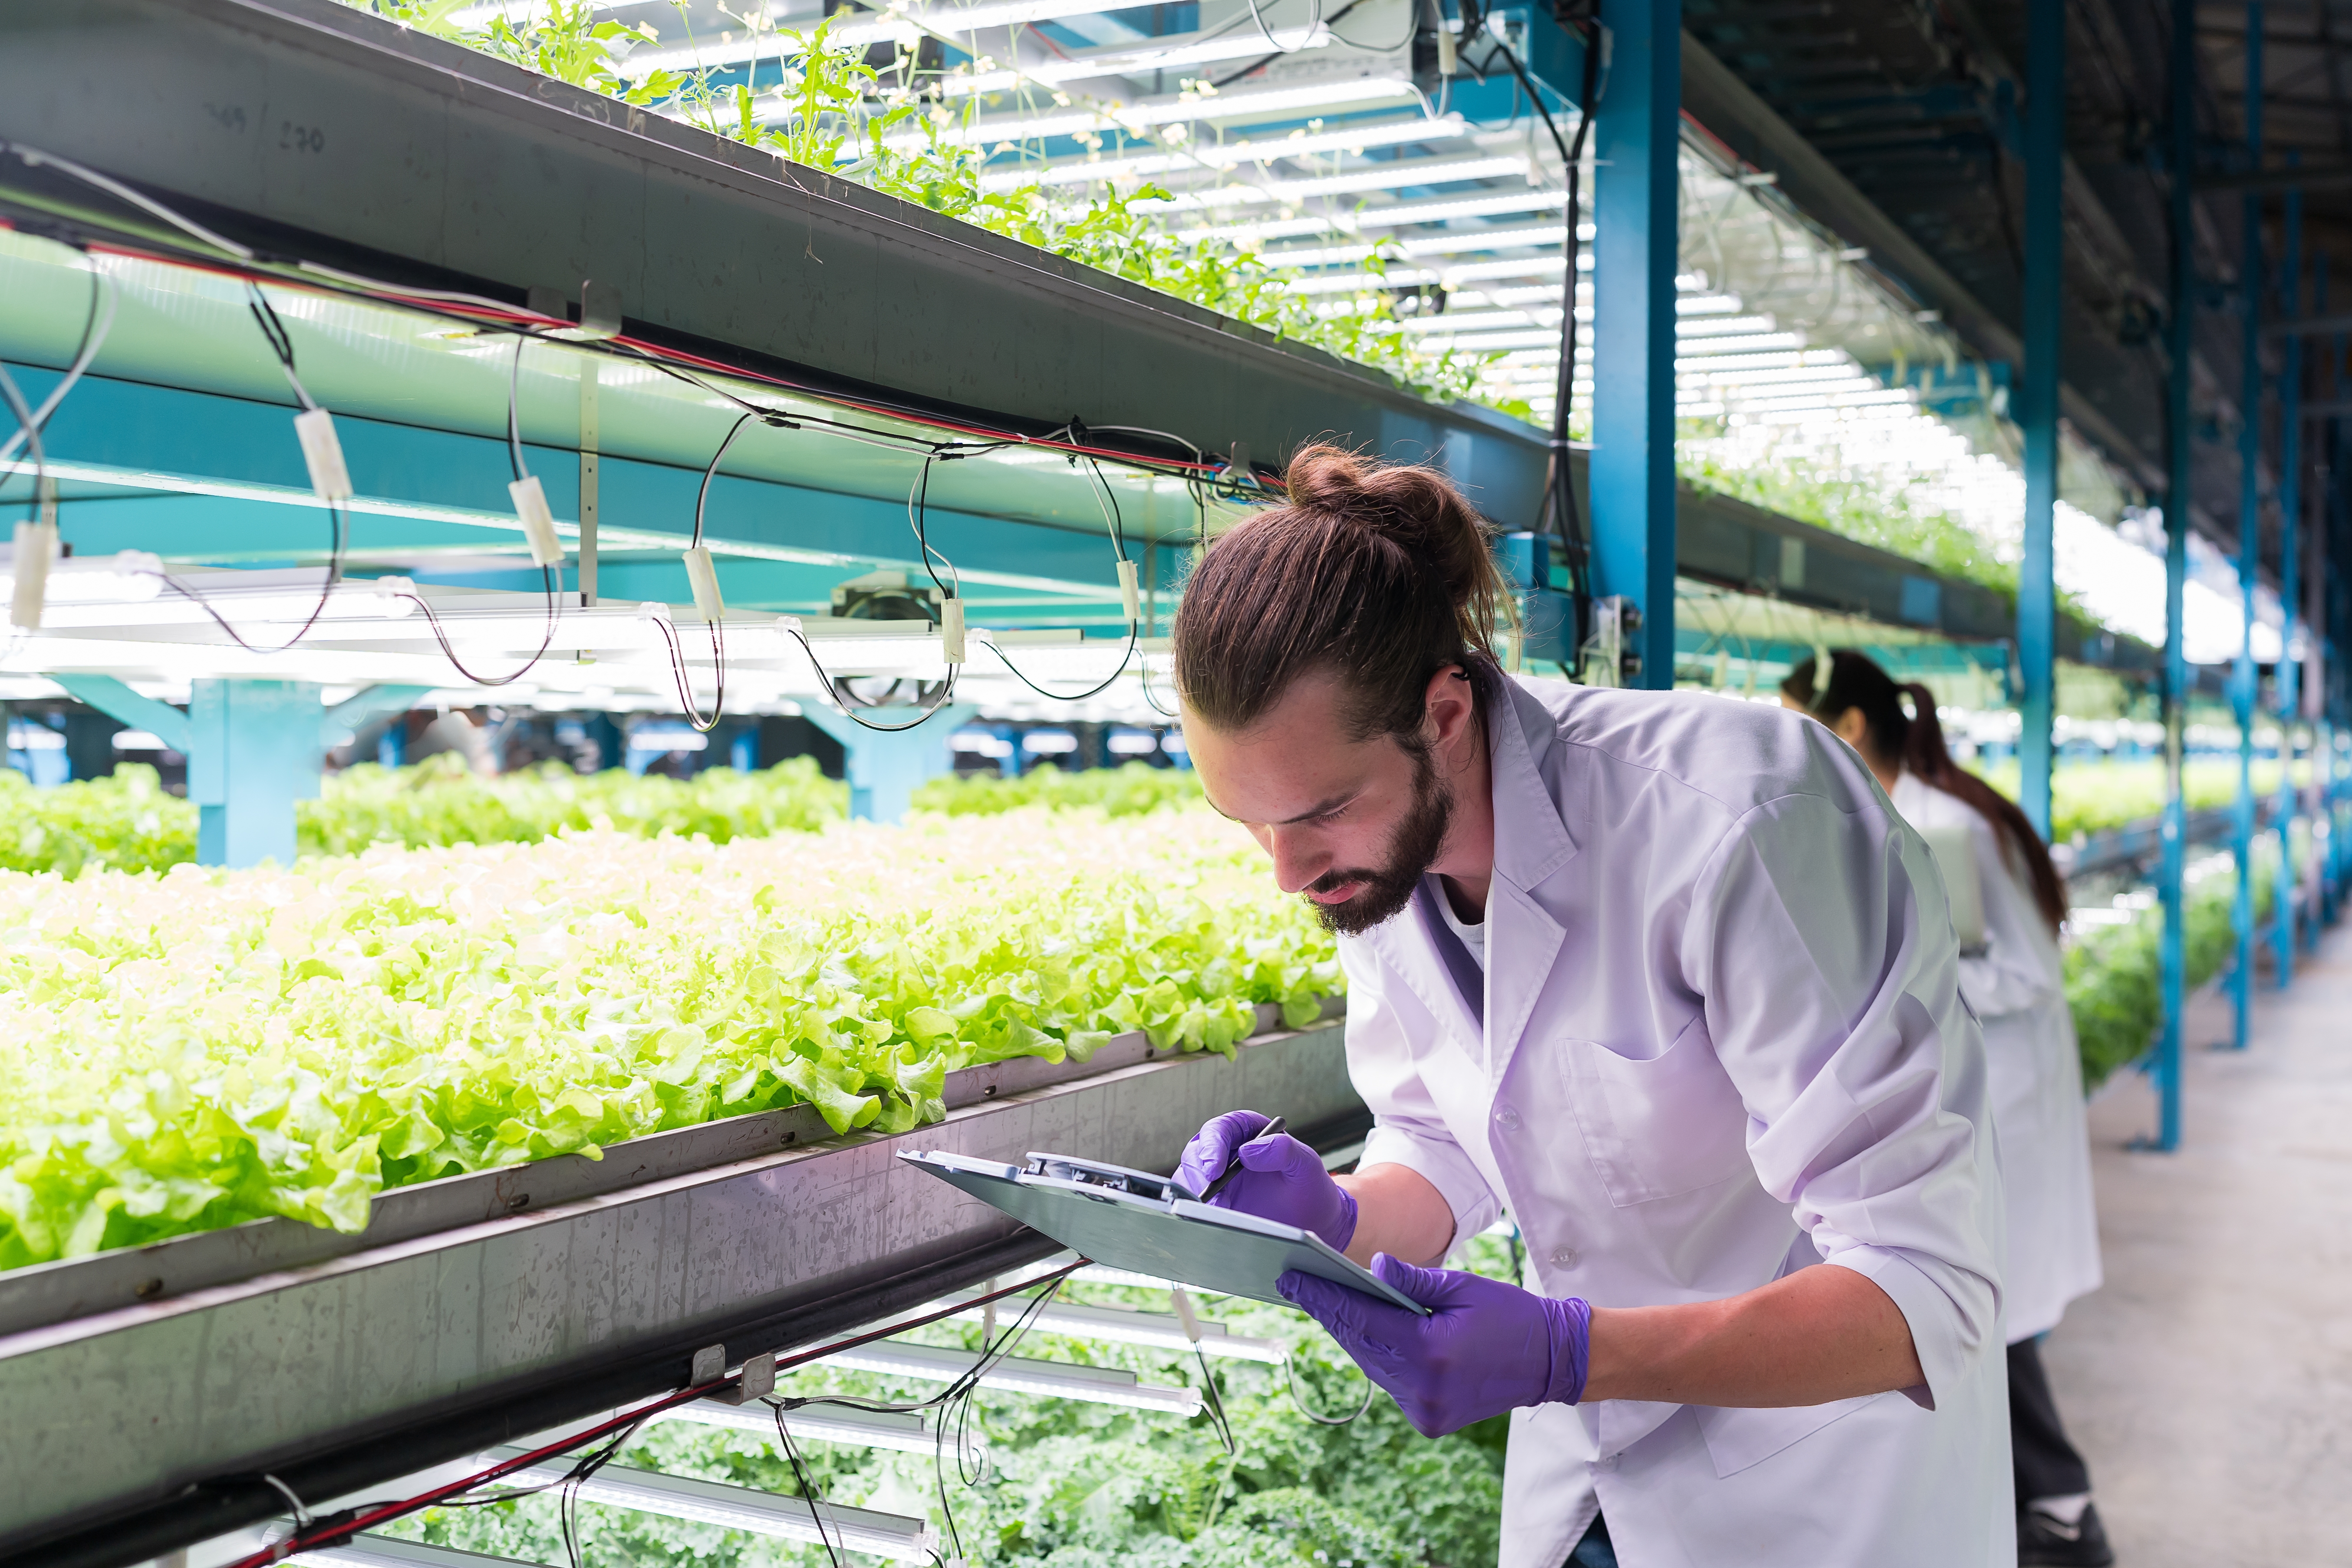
{"type": "Point", "coordinates": [186, 1050]}
{"type": "Point", "coordinates": [190, 1048]}
{"type": "Point", "coordinates": [127, 822]}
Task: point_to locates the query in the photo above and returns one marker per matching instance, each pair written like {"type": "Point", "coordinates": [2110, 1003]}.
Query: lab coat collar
{"type": "Point", "coordinates": [1532, 843]}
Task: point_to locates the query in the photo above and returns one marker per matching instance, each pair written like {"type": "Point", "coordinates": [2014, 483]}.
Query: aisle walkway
{"type": "Point", "coordinates": [2209, 1384]}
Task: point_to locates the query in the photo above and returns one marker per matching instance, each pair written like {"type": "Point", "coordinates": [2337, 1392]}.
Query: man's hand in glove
{"type": "Point", "coordinates": [1485, 1347]}
{"type": "Point", "coordinates": [1281, 1179]}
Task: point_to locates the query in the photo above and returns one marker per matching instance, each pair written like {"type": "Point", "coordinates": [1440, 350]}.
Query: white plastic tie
{"type": "Point", "coordinates": [37, 544]}
{"type": "Point", "coordinates": [951, 630]}
{"type": "Point", "coordinates": [538, 523]}
{"type": "Point", "coordinates": [702, 576]}
{"type": "Point", "coordinates": [1130, 596]}
{"type": "Point", "coordinates": [315, 428]}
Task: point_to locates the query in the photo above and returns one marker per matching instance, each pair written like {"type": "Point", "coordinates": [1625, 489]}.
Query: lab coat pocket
{"type": "Point", "coordinates": [1738, 1438]}
{"type": "Point", "coordinates": [1658, 1128]}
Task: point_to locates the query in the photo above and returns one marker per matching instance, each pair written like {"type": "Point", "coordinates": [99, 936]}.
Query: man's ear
{"type": "Point", "coordinates": [1451, 706]}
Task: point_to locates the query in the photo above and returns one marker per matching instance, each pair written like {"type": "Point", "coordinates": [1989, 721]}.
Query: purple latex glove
{"type": "Point", "coordinates": [1486, 1348]}
{"type": "Point", "coordinates": [1281, 1179]}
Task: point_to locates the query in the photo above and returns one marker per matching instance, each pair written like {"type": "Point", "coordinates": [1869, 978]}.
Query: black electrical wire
{"type": "Point", "coordinates": [514, 404]}
{"type": "Point", "coordinates": [281, 346]}
{"type": "Point", "coordinates": [1559, 499]}
{"type": "Point", "coordinates": [95, 328]}
{"type": "Point", "coordinates": [946, 695]}
{"type": "Point", "coordinates": [1218, 1420]}
{"type": "Point", "coordinates": [1114, 523]}
{"type": "Point", "coordinates": [440, 635]}
{"type": "Point", "coordinates": [441, 304]}
{"type": "Point", "coordinates": [31, 430]}
{"type": "Point", "coordinates": [684, 687]}
{"type": "Point", "coordinates": [809, 1493]}
{"type": "Point", "coordinates": [1290, 1375]}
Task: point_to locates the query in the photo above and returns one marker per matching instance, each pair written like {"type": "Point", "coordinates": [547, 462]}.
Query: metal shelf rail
{"type": "Point", "coordinates": [479, 1309]}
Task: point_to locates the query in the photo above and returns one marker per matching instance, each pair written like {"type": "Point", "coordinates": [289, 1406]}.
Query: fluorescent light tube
{"type": "Point", "coordinates": [1059, 1380]}
{"type": "Point", "coordinates": [737, 1507]}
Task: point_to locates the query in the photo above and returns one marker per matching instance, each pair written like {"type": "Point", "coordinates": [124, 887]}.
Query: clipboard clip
{"type": "Point", "coordinates": [1117, 1179]}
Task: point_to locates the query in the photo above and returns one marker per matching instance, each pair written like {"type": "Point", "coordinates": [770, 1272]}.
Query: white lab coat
{"type": "Point", "coordinates": [2017, 988]}
{"type": "Point", "coordinates": [1722, 1040]}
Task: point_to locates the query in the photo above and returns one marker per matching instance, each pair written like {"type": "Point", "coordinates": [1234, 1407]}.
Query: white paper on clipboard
{"type": "Point", "coordinates": [1148, 1225]}
{"type": "Point", "coordinates": [1956, 857]}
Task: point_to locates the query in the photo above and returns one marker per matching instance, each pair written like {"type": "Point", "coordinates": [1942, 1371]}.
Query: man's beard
{"type": "Point", "coordinates": [1412, 851]}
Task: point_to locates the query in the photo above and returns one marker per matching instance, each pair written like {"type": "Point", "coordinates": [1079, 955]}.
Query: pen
{"type": "Point", "coordinates": [1268, 1130]}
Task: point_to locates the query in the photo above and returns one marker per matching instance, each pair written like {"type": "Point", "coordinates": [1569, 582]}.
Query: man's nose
{"type": "Point", "coordinates": [1296, 860]}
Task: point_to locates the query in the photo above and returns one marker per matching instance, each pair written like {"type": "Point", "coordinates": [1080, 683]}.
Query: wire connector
{"type": "Point", "coordinates": [1130, 596]}
{"type": "Point", "coordinates": [315, 428]}
{"type": "Point", "coordinates": [951, 630]}
{"type": "Point", "coordinates": [538, 523]}
{"type": "Point", "coordinates": [37, 546]}
{"type": "Point", "coordinates": [702, 576]}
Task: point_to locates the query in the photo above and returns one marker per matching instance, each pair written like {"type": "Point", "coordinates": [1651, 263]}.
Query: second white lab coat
{"type": "Point", "coordinates": [2017, 987]}
{"type": "Point", "coordinates": [1719, 1038]}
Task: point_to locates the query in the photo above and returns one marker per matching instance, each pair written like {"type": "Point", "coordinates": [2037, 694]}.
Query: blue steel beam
{"type": "Point", "coordinates": [2249, 511]}
{"type": "Point", "coordinates": [887, 764]}
{"type": "Point", "coordinates": [2180, 441]}
{"type": "Point", "coordinates": [254, 751]}
{"type": "Point", "coordinates": [1637, 143]}
{"type": "Point", "coordinates": [2037, 592]}
{"type": "Point", "coordinates": [2290, 513]}
{"type": "Point", "coordinates": [116, 700]}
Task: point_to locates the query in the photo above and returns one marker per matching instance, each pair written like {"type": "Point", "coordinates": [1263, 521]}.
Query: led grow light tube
{"type": "Point", "coordinates": [840, 1423]}
{"type": "Point", "coordinates": [1130, 61]}
{"type": "Point", "coordinates": [1018, 1375]}
{"type": "Point", "coordinates": [613, 537]}
{"type": "Point", "coordinates": [906, 28]}
{"type": "Point", "coordinates": [1402, 174]}
{"type": "Point", "coordinates": [369, 1550]}
{"type": "Point", "coordinates": [1233, 155]}
{"type": "Point", "coordinates": [1157, 1330]}
{"type": "Point", "coordinates": [1270, 102]}
{"type": "Point", "coordinates": [888, 1535]}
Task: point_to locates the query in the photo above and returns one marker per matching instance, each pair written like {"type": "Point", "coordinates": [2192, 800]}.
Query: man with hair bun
{"type": "Point", "coordinates": [1665, 979]}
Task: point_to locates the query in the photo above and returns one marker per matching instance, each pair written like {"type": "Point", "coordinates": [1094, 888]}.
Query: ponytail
{"type": "Point", "coordinates": [1381, 572]}
{"type": "Point", "coordinates": [1915, 740]}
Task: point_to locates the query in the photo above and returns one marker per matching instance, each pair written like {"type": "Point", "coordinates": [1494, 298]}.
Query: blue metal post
{"type": "Point", "coordinates": [254, 751]}
{"type": "Point", "coordinates": [2290, 514]}
{"type": "Point", "coordinates": [1637, 142]}
{"type": "Point", "coordinates": [885, 766]}
{"type": "Point", "coordinates": [2180, 440]}
{"type": "Point", "coordinates": [743, 751]}
{"type": "Point", "coordinates": [2250, 511]}
{"type": "Point", "coordinates": [2037, 592]}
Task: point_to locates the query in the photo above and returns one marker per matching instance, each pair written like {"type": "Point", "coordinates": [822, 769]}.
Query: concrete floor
{"type": "Point", "coordinates": [2209, 1382]}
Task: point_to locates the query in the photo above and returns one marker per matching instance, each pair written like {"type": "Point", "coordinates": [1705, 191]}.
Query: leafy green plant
{"type": "Point", "coordinates": [129, 823]}
{"type": "Point", "coordinates": [1072, 1485]}
{"type": "Point", "coordinates": [2114, 973]}
{"type": "Point", "coordinates": [1131, 790]}
{"type": "Point", "coordinates": [184, 1051]}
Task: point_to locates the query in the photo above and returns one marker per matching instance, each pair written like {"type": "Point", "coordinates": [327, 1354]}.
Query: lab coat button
{"type": "Point", "coordinates": [1507, 1119]}
{"type": "Point", "coordinates": [1563, 1257]}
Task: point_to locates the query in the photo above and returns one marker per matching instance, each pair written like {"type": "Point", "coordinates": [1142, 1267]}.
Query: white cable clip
{"type": "Point", "coordinates": [951, 630]}
{"type": "Point", "coordinates": [1130, 597]}
{"type": "Point", "coordinates": [538, 523]}
{"type": "Point", "coordinates": [37, 544]}
{"type": "Point", "coordinates": [702, 576]}
{"type": "Point", "coordinates": [315, 428]}
{"type": "Point", "coordinates": [1184, 1313]}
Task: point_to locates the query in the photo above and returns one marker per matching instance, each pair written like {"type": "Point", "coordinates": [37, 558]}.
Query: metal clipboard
{"type": "Point", "coordinates": [1149, 1224]}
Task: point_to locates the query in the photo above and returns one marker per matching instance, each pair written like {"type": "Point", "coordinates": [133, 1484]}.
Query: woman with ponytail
{"type": "Point", "coordinates": [2016, 985]}
{"type": "Point", "coordinates": [1650, 973]}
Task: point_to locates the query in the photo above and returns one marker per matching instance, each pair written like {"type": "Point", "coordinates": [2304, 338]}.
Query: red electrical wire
{"type": "Point", "coordinates": [391, 294]}
{"type": "Point", "coordinates": [383, 1513]}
